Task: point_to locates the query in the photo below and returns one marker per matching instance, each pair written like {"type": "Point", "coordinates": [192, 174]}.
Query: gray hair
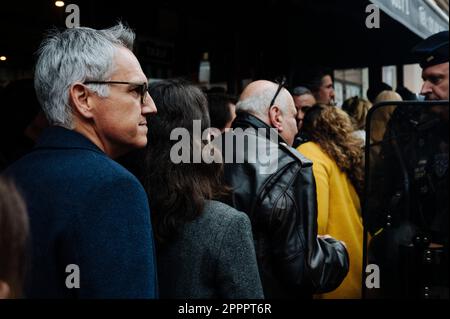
{"type": "Point", "coordinates": [76, 55]}
{"type": "Point", "coordinates": [259, 105]}
{"type": "Point", "coordinates": [301, 90]}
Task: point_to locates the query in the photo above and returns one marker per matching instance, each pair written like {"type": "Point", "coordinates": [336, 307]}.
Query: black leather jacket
{"type": "Point", "coordinates": [293, 262]}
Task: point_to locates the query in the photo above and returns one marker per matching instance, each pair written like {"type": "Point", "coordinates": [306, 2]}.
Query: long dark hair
{"type": "Point", "coordinates": [332, 129]}
{"type": "Point", "coordinates": [177, 192]}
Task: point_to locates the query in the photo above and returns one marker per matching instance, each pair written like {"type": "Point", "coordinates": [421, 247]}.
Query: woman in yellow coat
{"type": "Point", "coordinates": [338, 169]}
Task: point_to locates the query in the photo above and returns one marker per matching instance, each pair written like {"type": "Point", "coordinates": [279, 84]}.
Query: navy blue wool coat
{"type": "Point", "coordinates": [85, 210]}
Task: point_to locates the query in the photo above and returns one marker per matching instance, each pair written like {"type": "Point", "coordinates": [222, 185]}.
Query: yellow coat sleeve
{"type": "Point", "coordinates": [321, 172]}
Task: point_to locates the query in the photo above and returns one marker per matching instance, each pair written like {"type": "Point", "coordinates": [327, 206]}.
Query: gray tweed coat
{"type": "Point", "coordinates": [213, 257]}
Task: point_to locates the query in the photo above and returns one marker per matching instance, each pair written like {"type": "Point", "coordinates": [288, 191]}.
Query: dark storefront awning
{"type": "Point", "coordinates": [248, 39]}
{"type": "Point", "coordinates": [423, 17]}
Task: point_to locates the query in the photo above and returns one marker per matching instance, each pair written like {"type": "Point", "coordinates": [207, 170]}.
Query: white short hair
{"type": "Point", "coordinates": [76, 55]}
{"type": "Point", "coordinates": [259, 104]}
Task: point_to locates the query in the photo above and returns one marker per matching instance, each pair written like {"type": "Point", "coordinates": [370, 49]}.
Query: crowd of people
{"type": "Point", "coordinates": [277, 214]}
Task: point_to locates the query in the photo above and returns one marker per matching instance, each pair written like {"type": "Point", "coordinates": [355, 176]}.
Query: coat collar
{"type": "Point", "coordinates": [57, 137]}
{"type": "Point", "coordinates": [246, 120]}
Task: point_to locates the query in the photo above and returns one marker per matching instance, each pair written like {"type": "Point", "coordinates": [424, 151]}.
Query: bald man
{"type": "Point", "coordinates": [281, 115]}
{"type": "Point", "coordinates": [281, 202]}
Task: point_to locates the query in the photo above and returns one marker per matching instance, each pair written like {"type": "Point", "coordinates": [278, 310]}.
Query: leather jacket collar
{"type": "Point", "coordinates": [246, 120]}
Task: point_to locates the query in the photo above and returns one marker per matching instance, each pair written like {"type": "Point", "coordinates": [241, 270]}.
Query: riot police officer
{"type": "Point", "coordinates": [410, 227]}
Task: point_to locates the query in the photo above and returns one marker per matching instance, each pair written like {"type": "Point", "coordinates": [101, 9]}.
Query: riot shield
{"type": "Point", "coordinates": [405, 207]}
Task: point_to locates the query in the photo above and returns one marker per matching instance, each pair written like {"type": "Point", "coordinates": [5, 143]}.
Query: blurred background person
{"type": "Point", "coordinates": [357, 109]}
{"type": "Point", "coordinates": [381, 116]}
{"type": "Point", "coordinates": [322, 86]}
{"type": "Point", "coordinates": [13, 238]}
{"type": "Point", "coordinates": [406, 94]}
{"type": "Point", "coordinates": [375, 89]}
{"type": "Point", "coordinates": [339, 173]}
{"type": "Point", "coordinates": [319, 80]}
{"type": "Point", "coordinates": [304, 100]}
{"type": "Point", "coordinates": [21, 122]}
{"type": "Point", "coordinates": [222, 110]}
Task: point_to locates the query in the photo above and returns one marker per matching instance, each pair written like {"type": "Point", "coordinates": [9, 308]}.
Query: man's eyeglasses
{"type": "Point", "coordinates": [281, 84]}
{"type": "Point", "coordinates": [141, 88]}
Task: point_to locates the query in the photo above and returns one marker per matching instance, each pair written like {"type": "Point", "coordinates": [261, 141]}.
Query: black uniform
{"type": "Point", "coordinates": [408, 195]}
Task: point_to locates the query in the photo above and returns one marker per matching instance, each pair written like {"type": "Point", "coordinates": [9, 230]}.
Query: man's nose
{"type": "Point", "coordinates": [426, 88]}
{"type": "Point", "coordinates": [149, 106]}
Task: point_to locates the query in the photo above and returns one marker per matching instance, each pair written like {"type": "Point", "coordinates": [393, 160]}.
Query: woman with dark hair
{"type": "Point", "coordinates": [13, 237]}
{"type": "Point", "coordinates": [338, 170]}
{"type": "Point", "coordinates": [205, 248]}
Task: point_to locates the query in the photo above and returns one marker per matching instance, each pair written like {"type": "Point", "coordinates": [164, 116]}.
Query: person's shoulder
{"type": "Point", "coordinates": [215, 222]}
{"type": "Point", "coordinates": [315, 153]}
{"type": "Point", "coordinates": [308, 146]}
{"type": "Point", "coordinates": [111, 173]}
{"type": "Point", "coordinates": [309, 149]}
{"type": "Point", "coordinates": [119, 187]}
{"type": "Point", "coordinates": [80, 165]}
{"type": "Point", "coordinates": [95, 164]}
{"type": "Point", "coordinates": [289, 154]}
{"type": "Point", "coordinates": [222, 212]}
{"type": "Point", "coordinates": [111, 167]}
{"type": "Point", "coordinates": [105, 172]}
{"type": "Point", "coordinates": [99, 173]}
{"type": "Point", "coordinates": [225, 223]}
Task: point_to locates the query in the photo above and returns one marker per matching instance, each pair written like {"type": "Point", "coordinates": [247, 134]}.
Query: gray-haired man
{"type": "Point", "coordinates": [89, 217]}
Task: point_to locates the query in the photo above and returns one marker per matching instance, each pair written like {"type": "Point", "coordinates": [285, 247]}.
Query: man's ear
{"type": "Point", "coordinates": [276, 118]}
{"type": "Point", "coordinates": [81, 100]}
{"type": "Point", "coordinates": [4, 290]}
